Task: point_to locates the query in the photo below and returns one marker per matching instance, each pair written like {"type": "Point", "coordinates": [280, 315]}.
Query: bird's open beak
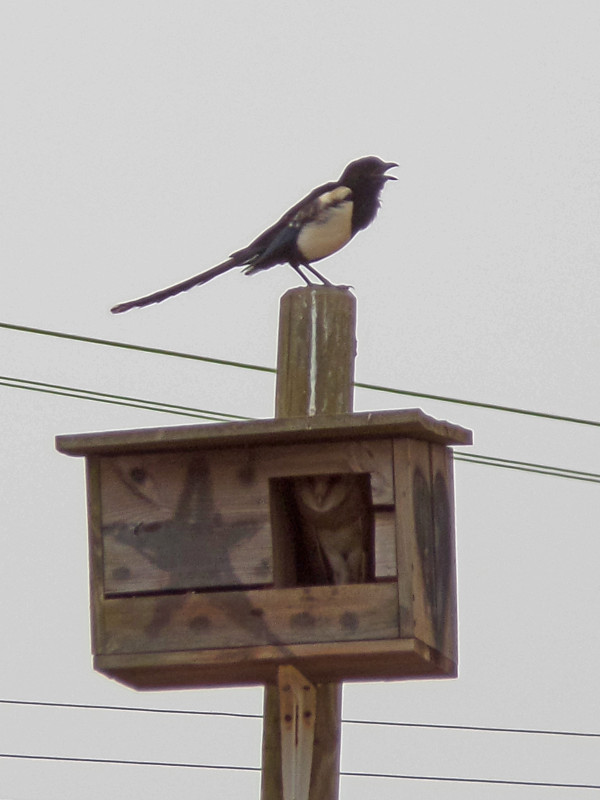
{"type": "Point", "coordinates": [389, 165]}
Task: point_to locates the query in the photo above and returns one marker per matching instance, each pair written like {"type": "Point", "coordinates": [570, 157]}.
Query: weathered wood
{"type": "Point", "coordinates": [210, 620]}
{"type": "Point", "coordinates": [95, 550]}
{"type": "Point", "coordinates": [373, 457]}
{"type": "Point", "coordinates": [315, 374]}
{"type": "Point", "coordinates": [271, 772]}
{"type": "Point", "coordinates": [316, 351]}
{"type": "Point", "coordinates": [148, 619]}
{"type": "Point", "coordinates": [152, 487]}
{"type": "Point", "coordinates": [349, 661]}
{"type": "Point", "coordinates": [325, 774]}
{"type": "Point", "coordinates": [385, 544]}
{"type": "Point", "coordinates": [412, 459]}
{"type": "Point", "coordinates": [184, 521]}
{"type": "Point", "coordinates": [410, 422]}
{"type": "Point", "coordinates": [404, 535]}
{"type": "Point", "coordinates": [202, 519]}
{"type": "Point", "coordinates": [425, 542]}
{"type": "Point", "coordinates": [298, 705]}
{"type": "Point", "coordinates": [444, 523]}
{"type": "Point", "coordinates": [316, 616]}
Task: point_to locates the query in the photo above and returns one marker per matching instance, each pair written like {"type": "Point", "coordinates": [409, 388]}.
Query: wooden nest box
{"type": "Point", "coordinates": [220, 552]}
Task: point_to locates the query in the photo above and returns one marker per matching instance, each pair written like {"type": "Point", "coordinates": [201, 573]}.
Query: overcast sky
{"type": "Point", "coordinates": [144, 141]}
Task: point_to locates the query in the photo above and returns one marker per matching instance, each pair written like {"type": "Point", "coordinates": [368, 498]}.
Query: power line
{"type": "Point", "coordinates": [137, 347]}
{"type": "Point", "coordinates": [176, 711]}
{"type": "Point", "coordinates": [248, 715]}
{"type": "Point", "coordinates": [133, 763]}
{"type": "Point", "coordinates": [343, 773]}
{"type": "Point", "coordinates": [217, 416]}
{"type": "Point", "coordinates": [476, 728]}
{"type": "Point", "coordinates": [116, 399]}
{"type": "Point", "coordinates": [479, 404]}
{"type": "Point", "coordinates": [494, 781]}
{"type": "Point", "coordinates": [527, 466]}
{"type": "Point", "coordinates": [272, 370]}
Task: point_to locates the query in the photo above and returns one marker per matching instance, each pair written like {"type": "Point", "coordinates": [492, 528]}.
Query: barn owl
{"type": "Point", "coordinates": [334, 510]}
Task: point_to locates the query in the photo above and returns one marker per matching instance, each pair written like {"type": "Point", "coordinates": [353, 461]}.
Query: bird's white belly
{"type": "Point", "coordinates": [331, 231]}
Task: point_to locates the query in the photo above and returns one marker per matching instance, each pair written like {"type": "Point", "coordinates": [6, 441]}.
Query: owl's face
{"type": "Point", "coordinates": [322, 492]}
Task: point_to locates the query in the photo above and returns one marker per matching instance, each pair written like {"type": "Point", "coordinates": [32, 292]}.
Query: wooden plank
{"type": "Point", "coordinates": [410, 458]}
{"type": "Point", "coordinates": [348, 661]}
{"type": "Point", "coordinates": [187, 520]}
{"type": "Point", "coordinates": [315, 353]}
{"type": "Point", "coordinates": [332, 458]}
{"type": "Point", "coordinates": [315, 372]}
{"type": "Point", "coordinates": [195, 520]}
{"type": "Point", "coordinates": [424, 550]}
{"type": "Point", "coordinates": [364, 425]}
{"type": "Point", "coordinates": [211, 620]}
{"type": "Point", "coordinates": [386, 566]}
{"type": "Point", "coordinates": [426, 531]}
{"type": "Point", "coordinates": [298, 706]}
{"type": "Point", "coordinates": [95, 552]}
{"type": "Point", "coordinates": [445, 614]}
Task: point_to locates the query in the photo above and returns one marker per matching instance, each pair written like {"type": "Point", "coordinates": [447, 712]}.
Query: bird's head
{"type": "Point", "coordinates": [367, 170]}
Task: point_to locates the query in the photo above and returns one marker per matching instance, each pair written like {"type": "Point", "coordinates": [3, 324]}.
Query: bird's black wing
{"type": "Point", "coordinates": [277, 245]}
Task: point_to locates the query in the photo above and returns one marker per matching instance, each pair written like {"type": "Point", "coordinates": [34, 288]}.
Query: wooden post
{"type": "Point", "coordinates": [315, 374]}
{"type": "Point", "coordinates": [298, 701]}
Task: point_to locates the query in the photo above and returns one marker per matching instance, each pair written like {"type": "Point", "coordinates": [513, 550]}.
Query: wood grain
{"type": "Point", "coordinates": [315, 374]}
{"type": "Point", "coordinates": [202, 519]}
{"type": "Point", "coordinates": [186, 520]}
{"type": "Point", "coordinates": [409, 422]}
{"type": "Point", "coordinates": [211, 620]}
{"type": "Point", "coordinates": [444, 520]}
{"type": "Point", "coordinates": [340, 661]}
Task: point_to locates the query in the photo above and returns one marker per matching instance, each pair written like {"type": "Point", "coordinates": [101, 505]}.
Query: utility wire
{"type": "Point", "coordinates": [137, 709]}
{"type": "Point", "coordinates": [476, 728]}
{"type": "Point", "coordinates": [494, 781]}
{"type": "Point", "coordinates": [527, 466]}
{"type": "Point", "coordinates": [479, 404]}
{"type": "Point", "coordinates": [138, 347]}
{"type": "Point", "coordinates": [199, 413]}
{"type": "Point", "coordinates": [71, 759]}
{"type": "Point", "coordinates": [248, 715]}
{"type": "Point", "coordinates": [116, 399]}
{"type": "Point", "coordinates": [260, 368]}
{"type": "Point", "coordinates": [217, 416]}
{"type": "Point", "coordinates": [395, 776]}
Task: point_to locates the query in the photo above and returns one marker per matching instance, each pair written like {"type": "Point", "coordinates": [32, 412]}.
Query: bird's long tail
{"type": "Point", "coordinates": [197, 280]}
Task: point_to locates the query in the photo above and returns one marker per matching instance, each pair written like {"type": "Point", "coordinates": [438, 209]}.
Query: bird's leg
{"type": "Point", "coordinates": [302, 275]}
{"type": "Point", "coordinates": [322, 278]}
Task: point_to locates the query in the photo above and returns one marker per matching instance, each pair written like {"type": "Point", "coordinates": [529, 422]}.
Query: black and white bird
{"type": "Point", "coordinates": [319, 225]}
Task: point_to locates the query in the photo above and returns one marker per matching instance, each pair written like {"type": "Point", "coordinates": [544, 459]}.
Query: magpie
{"type": "Point", "coordinates": [319, 225]}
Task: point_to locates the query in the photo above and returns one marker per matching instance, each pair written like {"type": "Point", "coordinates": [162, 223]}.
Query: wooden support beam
{"type": "Point", "coordinates": [315, 373]}
{"type": "Point", "coordinates": [298, 705]}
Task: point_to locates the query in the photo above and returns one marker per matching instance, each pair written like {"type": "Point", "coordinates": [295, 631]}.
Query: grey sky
{"type": "Point", "coordinates": [143, 142]}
